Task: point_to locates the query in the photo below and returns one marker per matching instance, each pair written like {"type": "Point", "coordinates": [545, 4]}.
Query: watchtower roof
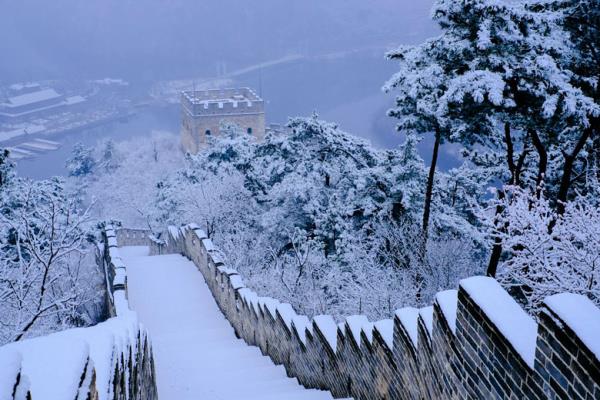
{"type": "Point", "coordinates": [216, 96]}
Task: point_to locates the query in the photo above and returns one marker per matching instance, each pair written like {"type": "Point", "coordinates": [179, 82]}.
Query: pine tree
{"type": "Point", "coordinates": [508, 91]}
{"type": "Point", "coordinates": [6, 168]}
{"type": "Point", "coordinates": [581, 21]}
{"type": "Point", "coordinates": [109, 157]}
{"type": "Point", "coordinates": [418, 85]}
{"type": "Point", "coordinates": [81, 162]}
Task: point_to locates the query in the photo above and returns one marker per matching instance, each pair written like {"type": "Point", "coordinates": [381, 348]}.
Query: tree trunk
{"type": "Point", "coordinates": [427, 209]}
{"type": "Point", "coordinates": [430, 183]}
{"type": "Point", "coordinates": [510, 153]}
{"type": "Point", "coordinates": [543, 162]}
{"type": "Point", "coordinates": [521, 162]}
{"type": "Point", "coordinates": [565, 182]}
{"type": "Point", "coordinates": [497, 248]}
{"type": "Point", "coordinates": [512, 168]}
{"type": "Point", "coordinates": [515, 171]}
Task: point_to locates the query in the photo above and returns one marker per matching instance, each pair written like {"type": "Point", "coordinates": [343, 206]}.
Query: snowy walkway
{"type": "Point", "coordinates": [196, 353]}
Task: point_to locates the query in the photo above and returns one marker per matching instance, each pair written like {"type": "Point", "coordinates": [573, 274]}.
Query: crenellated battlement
{"type": "Point", "coordinates": [221, 102]}
{"type": "Point", "coordinates": [474, 342]}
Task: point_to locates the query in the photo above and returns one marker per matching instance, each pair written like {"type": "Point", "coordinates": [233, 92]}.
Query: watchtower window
{"type": "Point", "coordinates": [207, 133]}
{"type": "Point", "coordinates": [249, 130]}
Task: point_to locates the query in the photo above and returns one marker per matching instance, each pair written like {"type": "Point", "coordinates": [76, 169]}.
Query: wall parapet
{"type": "Point", "coordinates": [474, 342]}
{"type": "Point", "coordinates": [112, 360]}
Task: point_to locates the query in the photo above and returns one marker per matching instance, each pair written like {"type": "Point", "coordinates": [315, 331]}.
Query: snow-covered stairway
{"type": "Point", "coordinates": [197, 355]}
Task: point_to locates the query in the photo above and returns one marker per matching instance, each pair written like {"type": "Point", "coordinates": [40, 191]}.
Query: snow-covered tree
{"type": "Point", "coordinates": [303, 215]}
{"type": "Point", "coordinates": [109, 157]}
{"type": "Point", "coordinates": [419, 84]}
{"type": "Point", "coordinates": [212, 201]}
{"type": "Point", "coordinates": [310, 217]}
{"type": "Point", "coordinates": [6, 168]}
{"type": "Point", "coordinates": [515, 74]}
{"type": "Point", "coordinates": [509, 91]}
{"type": "Point", "coordinates": [46, 280]}
{"type": "Point", "coordinates": [81, 162]}
{"type": "Point", "coordinates": [544, 262]}
{"type": "Point", "coordinates": [127, 191]}
{"type": "Point", "coordinates": [580, 20]}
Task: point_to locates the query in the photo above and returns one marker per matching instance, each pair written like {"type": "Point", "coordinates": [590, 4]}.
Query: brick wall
{"type": "Point", "coordinates": [196, 121]}
{"type": "Point", "coordinates": [474, 342]}
{"type": "Point", "coordinates": [131, 237]}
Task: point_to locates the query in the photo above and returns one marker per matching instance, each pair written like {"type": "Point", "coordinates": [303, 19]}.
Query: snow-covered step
{"type": "Point", "coordinates": [197, 355]}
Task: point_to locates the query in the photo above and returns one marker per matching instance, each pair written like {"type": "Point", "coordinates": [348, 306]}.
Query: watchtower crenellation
{"type": "Point", "coordinates": [203, 112]}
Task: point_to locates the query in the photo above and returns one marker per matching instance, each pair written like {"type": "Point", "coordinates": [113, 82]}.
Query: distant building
{"type": "Point", "coordinates": [24, 88]}
{"type": "Point", "coordinates": [33, 102]}
{"type": "Point", "coordinates": [204, 110]}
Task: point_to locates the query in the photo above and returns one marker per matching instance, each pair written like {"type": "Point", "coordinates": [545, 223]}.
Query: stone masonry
{"type": "Point", "coordinates": [204, 111]}
{"type": "Point", "coordinates": [473, 343]}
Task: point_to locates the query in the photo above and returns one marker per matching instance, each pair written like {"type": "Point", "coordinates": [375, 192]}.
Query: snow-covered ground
{"type": "Point", "coordinates": [196, 353]}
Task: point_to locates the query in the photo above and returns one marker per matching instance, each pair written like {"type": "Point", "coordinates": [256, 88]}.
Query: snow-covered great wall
{"type": "Point", "coordinates": [111, 360]}
{"type": "Point", "coordinates": [474, 342]}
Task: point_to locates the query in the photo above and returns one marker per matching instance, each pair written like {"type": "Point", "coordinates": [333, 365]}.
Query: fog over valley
{"type": "Point", "coordinates": [302, 56]}
{"type": "Point", "coordinates": [157, 39]}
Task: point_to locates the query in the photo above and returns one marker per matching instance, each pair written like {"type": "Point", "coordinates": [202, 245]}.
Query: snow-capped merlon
{"type": "Point", "coordinates": [10, 368]}
{"type": "Point", "coordinates": [448, 302]}
{"type": "Point", "coordinates": [174, 231]}
{"type": "Point", "coordinates": [355, 324]}
{"type": "Point", "coordinates": [251, 298]}
{"type": "Point", "coordinates": [269, 304]}
{"type": "Point", "coordinates": [227, 270]}
{"type": "Point", "coordinates": [581, 315]}
{"type": "Point", "coordinates": [367, 329]}
{"type": "Point", "coordinates": [385, 327]}
{"type": "Point", "coordinates": [301, 324]}
{"type": "Point", "coordinates": [327, 326]}
{"type": "Point", "coordinates": [426, 315]}
{"type": "Point", "coordinates": [408, 317]}
{"type": "Point", "coordinates": [208, 245]}
{"type": "Point", "coordinates": [200, 233]}
{"type": "Point", "coordinates": [505, 313]}
{"type": "Point", "coordinates": [236, 282]}
{"type": "Point", "coordinates": [287, 313]}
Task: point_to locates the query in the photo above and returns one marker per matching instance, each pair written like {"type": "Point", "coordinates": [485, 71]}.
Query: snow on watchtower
{"type": "Point", "coordinates": [203, 111]}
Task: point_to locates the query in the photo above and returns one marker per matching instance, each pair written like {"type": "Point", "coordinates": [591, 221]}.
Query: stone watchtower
{"type": "Point", "coordinates": [204, 110]}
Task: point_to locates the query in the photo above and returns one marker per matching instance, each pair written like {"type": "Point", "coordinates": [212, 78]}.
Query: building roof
{"type": "Point", "coordinates": [32, 98]}
{"type": "Point", "coordinates": [74, 100]}
{"type": "Point", "coordinates": [20, 86]}
{"type": "Point", "coordinates": [222, 96]}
